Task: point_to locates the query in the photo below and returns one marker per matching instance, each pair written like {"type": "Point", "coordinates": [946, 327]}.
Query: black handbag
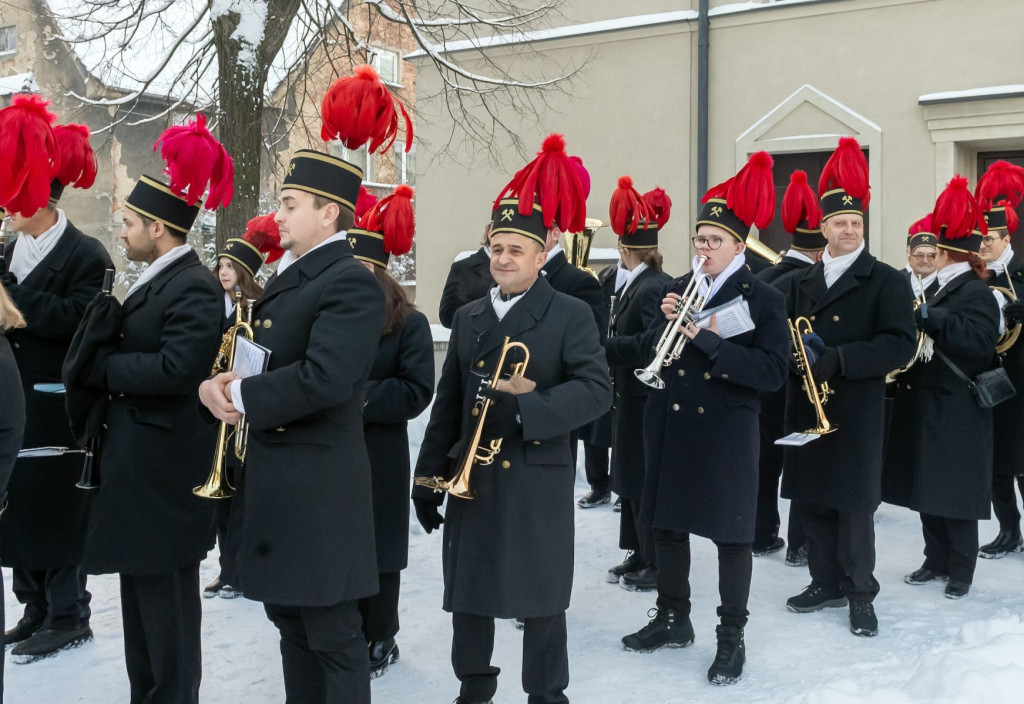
{"type": "Point", "coordinates": [990, 388]}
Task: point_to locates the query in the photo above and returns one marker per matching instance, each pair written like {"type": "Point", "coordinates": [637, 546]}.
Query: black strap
{"type": "Point", "coordinates": [956, 370]}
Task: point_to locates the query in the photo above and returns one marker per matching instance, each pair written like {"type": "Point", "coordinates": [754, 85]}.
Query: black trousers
{"type": "Point", "coordinates": [1004, 500]}
{"type": "Point", "coordinates": [841, 550]}
{"type": "Point", "coordinates": [57, 595]}
{"type": "Point", "coordinates": [545, 658]}
{"type": "Point", "coordinates": [735, 565]}
{"type": "Point", "coordinates": [162, 616]}
{"type": "Point", "coordinates": [950, 546]}
{"type": "Point", "coordinates": [323, 653]}
{"type": "Point", "coordinates": [634, 535]}
{"type": "Point", "coordinates": [595, 461]}
{"type": "Point", "coordinates": [380, 611]}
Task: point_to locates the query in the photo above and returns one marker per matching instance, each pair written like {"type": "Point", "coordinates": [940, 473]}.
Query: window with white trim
{"type": "Point", "coordinates": [8, 40]}
{"type": "Point", "coordinates": [388, 65]}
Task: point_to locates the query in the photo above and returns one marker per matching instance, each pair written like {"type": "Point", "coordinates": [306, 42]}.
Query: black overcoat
{"type": "Point", "coordinates": [868, 315]}
{"type": "Point", "coordinates": [567, 279]}
{"type": "Point", "coordinates": [509, 552]}
{"type": "Point", "coordinates": [701, 431]}
{"type": "Point", "coordinates": [12, 414]}
{"type": "Point", "coordinates": [400, 387]}
{"type": "Point", "coordinates": [773, 405]}
{"type": "Point", "coordinates": [638, 309]}
{"type": "Point", "coordinates": [307, 536]}
{"type": "Point", "coordinates": [45, 524]}
{"type": "Point", "coordinates": [939, 454]}
{"type": "Point", "coordinates": [145, 519]}
{"type": "Point", "coordinates": [930, 290]}
{"type": "Point", "coordinates": [787, 266]}
{"type": "Point", "coordinates": [468, 280]}
{"type": "Point", "coordinates": [1008, 417]}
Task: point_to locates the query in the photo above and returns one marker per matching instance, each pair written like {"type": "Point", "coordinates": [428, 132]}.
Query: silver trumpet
{"type": "Point", "coordinates": [670, 346]}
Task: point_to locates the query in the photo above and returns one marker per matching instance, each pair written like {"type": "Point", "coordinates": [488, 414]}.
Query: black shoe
{"type": "Point", "coordinates": [732, 653]}
{"type": "Point", "coordinates": [924, 576]}
{"type": "Point", "coordinates": [25, 628]}
{"type": "Point", "coordinates": [212, 588]}
{"type": "Point", "coordinates": [462, 700]}
{"type": "Point", "coordinates": [772, 547]}
{"type": "Point", "coordinates": [617, 506]}
{"type": "Point", "coordinates": [229, 592]}
{"type": "Point", "coordinates": [632, 563]}
{"type": "Point", "coordinates": [796, 557]}
{"type": "Point", "coordinates": [667, 628]}
{"type": "Point", "coordinates": [863, 621]}
{"type": "Point", "coordinates": [382, 654]}
{"type": "Point", "coordinates": [814, 598]}
{"type": "Point", "coordinates": [642, 580]}
{"type": "Point", "coordinates": [1006, 542]}
{"type": "Point", "coordinates": [595, 497]}
{"type": "Point", "coordinates": [49, 642]}
{"type": "Point", "coordinates": [957, 589]}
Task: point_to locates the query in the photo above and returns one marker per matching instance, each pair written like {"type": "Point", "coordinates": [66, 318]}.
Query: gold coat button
{"type": "Point", "coordinates": [682, 372]}
{"type": "Point", "coordinates": [475, 411]}
{"type": "Point", "coordinates": [267, 323]}
{"type": "Point", "coordinates": [812, 318]}
{"type": "Point", "coordinates": [506, 464]}
{"type": "Point", "coordinates": [835, 318]}
{"type": "Point", "coordinates": [700, 409]}
{"type": "Point", "coordinates": [480, 363]}
{"type": "Point", "coordinates": [536, 442]}
{"type": "Point", "coordinates": [17, 345]}
{"type": "Point", "coordinates": [279, 429]}
{"type": "Point", "coordinates": [725, 376]}
{"type": "Point", "coordinates": [256, 323]}
{"type": "Point", "coordinates": [706, 375]}
{"type": "Point", "coordinates": [675, 406]}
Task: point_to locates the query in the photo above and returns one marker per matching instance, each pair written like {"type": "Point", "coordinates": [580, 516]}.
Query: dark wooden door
{"type": "Point", "coordinates": [985, 160]}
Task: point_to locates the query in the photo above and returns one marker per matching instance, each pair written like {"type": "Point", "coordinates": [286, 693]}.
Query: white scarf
{"type": "Point", "coordinates": [501, 308]}
{"type": "Point", "coordinates": [158, 265]}
{"type": "Point", "coordinates": [32, 250]}
{"type": "Point", "coordinates": [737, 263]}
{"type": "Point", "coordinates": [1000, 264]}
{"type": "Point", "coordinates": [950, 272]}
{"type": "Point", "coordinates": [837, 266]}
{"type": "Point", "coordinates": [289, 257]}
{"type": "Point", "coordinates": [631, 276]}
{"type": "Point", "coordinates": [229, 305]}
{"type": "Point", "coordinates": [799, 256]}
{"type": "Point", "coordinates": [925, 282]}
{"type": "Point", "coordinates": [554, 250]}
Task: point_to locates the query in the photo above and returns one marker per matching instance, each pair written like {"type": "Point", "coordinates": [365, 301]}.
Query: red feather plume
{"type": "Point", "coordinates": [584, 175]}
{"type": "Point", "coordinates": [799, 203]}
{"type": "Point", "coordinates": [28, 154]}
{"type": "Point", "coordinates": [77, 160]}
{"type": "Point", "coordinates": [364, 202]}
{"type": "Point", "coordinates": [553, 180]}
{"type": "Point", "coordinates": [659, 206]}
{"type": "Point", "coordinates": [627, 208]}
{"type": "Point", "coordinates": [262, 233]}
{"type": "Point", "coordinates": [393, 217]}
{"type": "Point", "coordinates": [750, 194]}
{"type": "Point", "coordinates": [922, 225]}
{"type": "Point", "coordinates": [195, 160]}
{"type": "Point", "coordinates": [958, 211]}
{"type": "Point", "coordinates": [847, 168]}
{"type": "Point", "coordinates": [359, 108]}
{"type": "Point", "coordinates": [1002, 181]}
{"type": "Point", "coordinates": [1012, 221]}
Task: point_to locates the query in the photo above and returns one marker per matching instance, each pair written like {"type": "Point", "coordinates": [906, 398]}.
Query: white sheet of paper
{"type": "Point", "coordinates": [797, 439]}
{"type": "Point", "coordinates": [733, 318]}
{"type": "Point", "coordinates": [250, 358]}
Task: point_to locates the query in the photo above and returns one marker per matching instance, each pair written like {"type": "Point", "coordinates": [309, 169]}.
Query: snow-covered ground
{"type": "Point", "coordinates": [930, 649]}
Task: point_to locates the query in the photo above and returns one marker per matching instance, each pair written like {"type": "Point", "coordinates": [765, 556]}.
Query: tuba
{"type": "Point", "coordinates": [578, 245]}
{"type": "Point", "coordinates": [762, 250]}
{"type": "Point", "coordinates": [1010, 335]}
{"type": "Point", "coordinates": [922, 337]}
{"type": "Point", "coordinates": [473, 452]}
{"type": "Point", "coordinates": [217, 485]}
{"type": "Point", "coordinates": [817, 394]}
{"type": "Point", "coordinates": [670, 345]}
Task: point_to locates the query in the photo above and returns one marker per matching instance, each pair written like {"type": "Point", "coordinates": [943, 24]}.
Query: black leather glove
{"type": "Point", "coordinates": [503, 415]}
{"type": "Point", "coordinates": [1013, 313]}
{"type": "Point", "coordinates": [935, 321]}
{"type": "Point", "coordinates": [827, 366]}
{"type": "Point", "coordinates": [427, 514]}
{"type": "Point", "coordinates": [814, 346]}
{"type": "Point", "coordinates": [95, 374]}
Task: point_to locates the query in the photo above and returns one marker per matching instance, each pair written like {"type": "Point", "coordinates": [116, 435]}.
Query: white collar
{"type": "Point", "coordinates": [554, 251]}
{"type": "Point", "coordinates": [32, 250]}
{"type": "Point", "coordinates": [631, 275]}
{"type": "Point", "coordinates": [289, 258]}
{"type": "Point", "coordinates": [837, 266]}
{"type": "Point", "coordinates": [1000, 265]}
{"type": "Point", "coordinates": [158, 265]}
{"type": "Point", "coordinates": [925, 282]}
{"type": "Point", "coordinates": [951, 272]}
{"type": "Point", "coordinates": [798, 256]}
{"type": "Point", "coordinates": [501, 308]}
{"type": "Point", "coordinates": [737, 263]}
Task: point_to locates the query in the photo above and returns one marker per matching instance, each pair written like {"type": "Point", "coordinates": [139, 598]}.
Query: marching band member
{"type": "Point", "coordinates": [861, 311]}
{"type": "Point", "coordinates": [801, 218]}
{"type": "Point", "coordinates": [146, 524]}
{"type": "Point", "coordinates": [921, 255]}
{"type": "Point", "coordinates": [468, 280]}
{"type": "Point", "coordinates": [400, 387]}
{"type": "Point", "coordinates": [946, 476]}
{"type": "Point", "coordinates": [637, 308]}
{"type": "Point", "coordinates": [508, 553]}
{"type": "Point", "coordinates": [51, 272]}
{"type": "Point", "coordinates": [692, 485]}
{"type": "Point", "coordinates": [999, 192]}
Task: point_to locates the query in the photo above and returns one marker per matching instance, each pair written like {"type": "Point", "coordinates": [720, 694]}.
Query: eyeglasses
{"type": "Point", "coordinates": [987, 240]}
{"type": "Point", "coordinates": [921, 257]}
{"type": "Point", "coordinates": [713, 242]}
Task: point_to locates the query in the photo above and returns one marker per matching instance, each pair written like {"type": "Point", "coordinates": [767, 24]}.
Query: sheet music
{"type": "Point", "coordinates": [250, 358]}
{"type": "Point", "coordinates": [733, 318]}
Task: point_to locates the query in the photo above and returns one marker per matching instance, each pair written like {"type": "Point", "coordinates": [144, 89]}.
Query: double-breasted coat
{"type": "Point", "coordinates": [509, 552]}
{"type": "Point", "coordinates": [938, 457]}
{"type": "Point", "coordinates": [701, 431]}
{"type": "Point", "coordinates": [400, 387]}
{"type": "Point", "coordinates": [868, 315]}
{"type": "Point", "coordinates": [785, 267]}
{"type": "Point", "coordinates": [45, 524]}
{"type": "Point", "coordinates": [307, 536]}
{"type": "Point", "coordinates": [157, 447]}
{"type": "Point", "coordinates": [468, 280]}
{"type": "Point", "coordinates": [1008, 417]}
{"type": "Point", "coordinates": [638, 309]}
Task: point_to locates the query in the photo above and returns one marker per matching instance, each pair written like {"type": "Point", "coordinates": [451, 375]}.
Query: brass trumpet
{"type": "Point", "coordinates": [922, 337]}
{"type": "Point", "coordinates": [473, 452]}
{"type": "Point", "coordinates": [217, 485]}
{"type": "Point", "coordinates": [1010, 335]}
{"type": "Point", "coordinates": [670, 346]}
{"type": "Point", "coordinates": [762, 250]}
{"type": "Point", "coordinates": [818, 394]}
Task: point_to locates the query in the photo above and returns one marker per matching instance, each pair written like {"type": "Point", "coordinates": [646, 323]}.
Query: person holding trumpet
{"type": "Point", "coordinates": [508, 551]}
{"type": "Point", "coordinates": [715, 369]}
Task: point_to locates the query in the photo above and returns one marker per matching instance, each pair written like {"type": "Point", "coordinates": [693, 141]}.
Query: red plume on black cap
{"type": "Point", "coordinates": [262, 233]}
{"type": "Point", "coordinates": [1001, 181]}
{"type": "Point", "coordinates": [800, 204]}
{"type": "Point", "coordinates": [195, 161]}
{"type": "Point", "coordinates": [659, 204]}
{"type": "Point", "coordinates": [847, 169]}
{"type": "Point", "coordinates": [553, 180]}
{"type": "Point", "coordinates": [959, 217]}
{"type": "Point", "coordinates": [28, 154]}
{"type": "Point", "coordinates": [359, 108]}
{"type": "Point", "coordinates": [922, 225]}
{"type": "Point", "coordinates": [394, 218]}
{"type": "Point", "coordinates": [365, 201]}
{"type": "Point", "coordinates": [750, 194]}
{"type": "Point", "coordinates": [627, 208]}
{"type": "Point", "coordinates": [77, 160]}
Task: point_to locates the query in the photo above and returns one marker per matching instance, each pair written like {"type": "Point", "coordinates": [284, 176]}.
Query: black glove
{"type": "Point", "coordinates": [503, 415]}
{"type": "Point", "coordinates": [1013, 313]}
{"type": "Point", "coordinates": [7, 278]}
{"type": "Point", "coordinates": [94, 375]}
{"type": "Point", "coordinates": [935, 321]}
{"type": "Point", "coordinates": [827, 366]}
{"type": "Point", "coordinates": [814, 346]}
{"type": "Point", "coordinates": [427, 514]}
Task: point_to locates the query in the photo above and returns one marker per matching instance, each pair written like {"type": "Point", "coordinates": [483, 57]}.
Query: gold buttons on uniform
{"type": "Point", "coordinates": [675, 406]}
{"type": "Point", "coordinates": [682, 372]}
{"type": "Point", "coordinates": [835, 318]}
{"type": "Point", "coordinates": [256, 323]}
{"type": "Point", "coordinates": [267, 323]}
{"type": "Point", "coordinates": [475, 411]}
{"type": "Point", "coordinates": [536, 442]}
{"type": "Point", "coordinates": [812, 318]}
{"type": "Point", "coordinates": [700, 409]}
{"type": "Point", "coordinates": [706, 375]}
{"type": "Point", "coordinates": [506, 464]}
{"type": "Point", "coordinates": [725, 376]}
{"type": "Point", "coordinates": [480, 363]}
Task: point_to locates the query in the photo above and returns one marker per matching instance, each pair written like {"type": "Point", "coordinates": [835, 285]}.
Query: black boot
{"type": "Point", "coordinates": [668, 627]}
{"type": "Point", "coordinates": [796, 557]}
{"type": "Point", "coordinates": [382, 654]}
{"type": "Point", "coordinates": [29, 624]}
{"type": "Point", "coordinates": [774, 546]}
{"type": "Point", "coordinates": [642, 580]}
{"type": "Point", "coordinates": [1006, 542]}
{"type": "Point", "coordinates": [595, 497]}
{"type": "Point", "coordinates": [732, 653]}
{"type": "Point", "coordinates": [632, 563]}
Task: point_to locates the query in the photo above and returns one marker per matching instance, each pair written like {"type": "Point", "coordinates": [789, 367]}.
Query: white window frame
{"type": "Point", "coordinates": [12, 31]}
{"type": "Point", "coordinates": [375, 60]}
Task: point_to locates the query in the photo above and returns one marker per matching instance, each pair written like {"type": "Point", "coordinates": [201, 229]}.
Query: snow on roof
{"type": "Point", "coordinates": [953, 96]}
{"type": "Point", "coordinates": [737, 7]}
{"type": "Point", "coordinates": [19, 83]}
{"type": "Point", "coordinates": [574, 30]}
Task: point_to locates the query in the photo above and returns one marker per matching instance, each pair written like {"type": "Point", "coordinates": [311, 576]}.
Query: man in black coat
{"type": "Point", "coordinates": [468, 280]}
{"type": "Point", "coordinates": [307, 537]}
{"type": "Point", "coordinates": [51, 273]}
{"type": "Point", "coordinates": [508, 553]}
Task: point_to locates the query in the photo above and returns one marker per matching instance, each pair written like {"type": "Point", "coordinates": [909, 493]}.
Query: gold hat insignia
{"type": "Point", "coordinates": [847, 200]}
{"type": "Point", "coordinates": [506, 214]}
{"type": "Point", "coordinates": [716, 211]}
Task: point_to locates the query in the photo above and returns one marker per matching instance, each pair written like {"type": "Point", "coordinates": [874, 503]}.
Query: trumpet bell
{"type": "Point", "coordinates": [649, 377]}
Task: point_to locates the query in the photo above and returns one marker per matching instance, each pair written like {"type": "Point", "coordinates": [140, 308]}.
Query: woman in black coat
{"type": "Point", "coordinates": [939, 453]}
